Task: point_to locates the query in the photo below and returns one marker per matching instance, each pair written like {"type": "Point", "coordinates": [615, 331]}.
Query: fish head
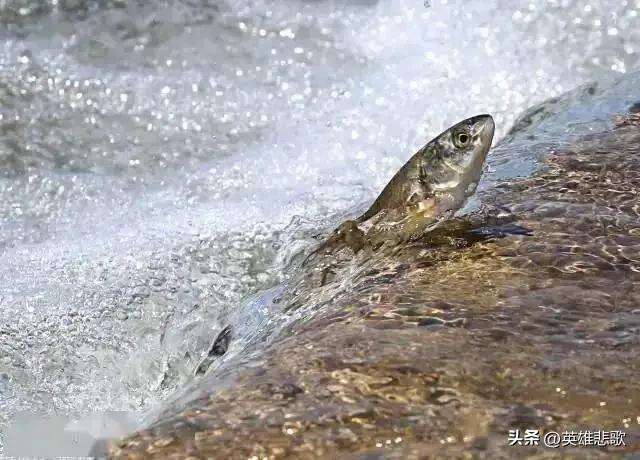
{"type": "Point", "coordinates": [438, 178]}
{"type": "Point", "coordinates": [463, 147]}
{"type": "Point", "coordinates": [455, 161]}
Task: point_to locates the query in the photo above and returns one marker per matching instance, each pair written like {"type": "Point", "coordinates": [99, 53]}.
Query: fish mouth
{"type": "Point", "coordinates": [484, 126]}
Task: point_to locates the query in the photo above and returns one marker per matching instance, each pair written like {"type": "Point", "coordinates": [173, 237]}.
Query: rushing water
{"type": "Point", "coordinates": [161, 161]}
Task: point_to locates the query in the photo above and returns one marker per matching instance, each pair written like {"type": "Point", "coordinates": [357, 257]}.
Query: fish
{"type": "Point", "coordinates": [431, 186]}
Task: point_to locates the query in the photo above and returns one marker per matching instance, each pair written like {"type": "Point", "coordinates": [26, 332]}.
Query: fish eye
{"type": "Point", "coordinates": [461, 139]}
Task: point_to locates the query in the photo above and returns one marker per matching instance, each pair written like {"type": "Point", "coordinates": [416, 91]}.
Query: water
{"type": "Point", "coordinates": [162, 161]}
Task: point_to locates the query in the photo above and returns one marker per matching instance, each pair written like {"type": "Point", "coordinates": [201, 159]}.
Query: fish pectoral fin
{"type": "Point", "coordinates": [427, 206]}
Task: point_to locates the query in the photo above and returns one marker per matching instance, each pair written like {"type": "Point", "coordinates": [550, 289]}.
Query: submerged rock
{"type": "Point", "coordinates": [439, 345]}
